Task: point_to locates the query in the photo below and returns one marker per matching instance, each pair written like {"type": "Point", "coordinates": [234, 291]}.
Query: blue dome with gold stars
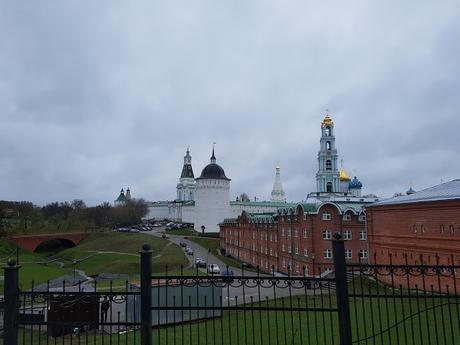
{"type": "Point", "coordinates": [355, 184]}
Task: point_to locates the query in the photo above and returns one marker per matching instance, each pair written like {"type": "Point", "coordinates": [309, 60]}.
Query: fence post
{"type": "Point", "coordinates": [11, 304]}
{"type": "Point", "coordinates": [146, 295]}
{"type": "Point", "coordinates": [343, 306]}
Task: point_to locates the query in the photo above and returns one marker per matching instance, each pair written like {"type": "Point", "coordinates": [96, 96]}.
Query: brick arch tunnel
{"type": "Point", "coordinates": [52, 244]}
{"type": "Point", "coordinates": [32, 242]}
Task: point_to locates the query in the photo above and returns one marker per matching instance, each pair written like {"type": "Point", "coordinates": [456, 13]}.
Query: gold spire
{"type": "Point", "coordinates": [327, 121]}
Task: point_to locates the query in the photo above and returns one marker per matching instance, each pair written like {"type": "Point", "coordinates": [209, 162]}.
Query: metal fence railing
{"type": "Point", "coordinates": [357, 304]}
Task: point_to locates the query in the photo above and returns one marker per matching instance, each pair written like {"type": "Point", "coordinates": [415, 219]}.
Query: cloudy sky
{"type": "Point", "coordinates": [99, 95]}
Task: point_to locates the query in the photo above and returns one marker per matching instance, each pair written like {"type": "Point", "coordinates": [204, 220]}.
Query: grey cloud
{"type": "Point", "coordinates": [99, 95]}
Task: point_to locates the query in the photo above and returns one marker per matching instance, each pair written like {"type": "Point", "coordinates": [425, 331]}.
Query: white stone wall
{"type": "Point", "coordinates": [188, 214]}
{"type": "Point", "coordinates": [236, 210]}
{"type": "Point", "coordinates": [212, 203]}
{"type": "Point", "coordinates": [158, 211]}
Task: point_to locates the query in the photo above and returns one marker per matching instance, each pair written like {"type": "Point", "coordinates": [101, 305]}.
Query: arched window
{"type": "Point", "coordinates": [329, 187]}
{"type": "Point", "coordinates": [328, 145]}
{"type": "Point", "coordinates": [327, 131]}
{"type": "Point", "coordinates": [328, 164]}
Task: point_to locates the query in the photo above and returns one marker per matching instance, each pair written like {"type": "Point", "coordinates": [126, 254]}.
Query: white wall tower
{"type": "Point", "coordinates": [212, 197]}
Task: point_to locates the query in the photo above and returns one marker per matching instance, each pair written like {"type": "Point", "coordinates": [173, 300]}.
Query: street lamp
{"type": "Point", "coordinates": [74, 261]}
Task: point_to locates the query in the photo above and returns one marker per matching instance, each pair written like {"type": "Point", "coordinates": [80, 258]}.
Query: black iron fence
{"type": "Point", "coordinates": [356, 304]}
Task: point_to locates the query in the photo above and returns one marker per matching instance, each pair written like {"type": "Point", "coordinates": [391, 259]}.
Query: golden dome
{"type": "Point", "coordinates": [343, 175]}
{"type": "Point", "coordinates": [327, 121]}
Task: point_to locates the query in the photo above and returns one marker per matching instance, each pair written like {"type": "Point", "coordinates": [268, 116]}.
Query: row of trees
{"type": "Point", "coordinates": [25, 217]}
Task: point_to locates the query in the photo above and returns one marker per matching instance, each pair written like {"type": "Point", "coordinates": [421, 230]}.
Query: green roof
{"type": "Point", "coordinates": [310, 207]}
{"type": "Point", "coordinates": [357, 207]}
{"type": "Point", "coordinates": [121, 198]}
{"type": "Point", "coordinates": [261, 217]}
{"type": "Point", "coordinates": [230, 221]}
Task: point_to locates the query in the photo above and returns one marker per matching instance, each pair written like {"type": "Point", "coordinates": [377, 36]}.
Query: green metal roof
{"type": "Point", "coordinates": [261, 217]}
{"type": "Point", "coordinates": [357, 207]}
{"type": "Point", "coordinates": [230, 221]}
{"type": "Point", "coordinates": [121, 198]}
{"type": "Point", "coordinates": [310, 207]}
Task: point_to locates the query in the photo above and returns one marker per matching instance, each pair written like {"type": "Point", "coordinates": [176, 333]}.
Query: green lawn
{"type": "Point", "coordinates": [118, 253]}
{"type": "Point", "coordinates": [213, 244]}
{"type": "Point", "coordinates": [390, 321]}
{"type": "Point", "coordinates": [210, 243]}
{"type": "Point", "coordinates": [182, 232]}
{"type": "Point", "coordinates": [110, 252]}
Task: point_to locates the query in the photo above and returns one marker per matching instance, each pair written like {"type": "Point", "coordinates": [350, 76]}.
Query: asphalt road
{"type": "Point", "coordinates": [240, 291]}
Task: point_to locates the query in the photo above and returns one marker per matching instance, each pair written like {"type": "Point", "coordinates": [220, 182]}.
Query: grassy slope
{"type": "Point", "coordinates": [122, 257]}
{"type": "Point", "coordinates": [118, 253]}
{"type": "Point", "coordinates": [31, 269]}
{"type": "Point", "coordinates": [209, 243]}
{"type": "Point", "coordinates": [213, 244]}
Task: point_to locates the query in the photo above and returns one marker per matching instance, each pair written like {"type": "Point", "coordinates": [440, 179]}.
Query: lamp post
{"type": "Point", "coordinates": [74, 261]}
{"type": "Point", "coordinates": [313, 260]}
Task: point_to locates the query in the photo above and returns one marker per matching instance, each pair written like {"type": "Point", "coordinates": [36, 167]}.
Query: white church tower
{"type": "Point", "coordinates": [212, 197]}
{"type": "Point", "coordinates": [327, 177]}
{"type": "Point", "coordinates": [277, 192]}
{"type": "Point", "coordinates": [186, 186]}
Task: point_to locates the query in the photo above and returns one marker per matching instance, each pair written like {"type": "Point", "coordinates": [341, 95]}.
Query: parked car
{"type": "Point", "coordinates": [199, 262]}
{"type": "Point", "coordinates": [164, 236]}
{"type": "Point", "coordinates": [213, 269]}
{"type": "Point", "coordinates": [189, 251]}
{"type": "Point", "coordinates": [227, 273]}
{"type": "Point", "coordinates": [183, 244]}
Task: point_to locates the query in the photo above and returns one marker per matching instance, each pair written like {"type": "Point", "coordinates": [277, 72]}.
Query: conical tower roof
{"type": "Point", "coordinates": [187, 171]}
{"type": "Point", "coordinates": [277, 191]}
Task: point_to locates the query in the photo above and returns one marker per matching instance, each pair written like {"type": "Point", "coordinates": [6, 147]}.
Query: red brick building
{"type": "Point", "coordinates": [420, 228]}
{"type": "Point", "coordinates": [297, 236]}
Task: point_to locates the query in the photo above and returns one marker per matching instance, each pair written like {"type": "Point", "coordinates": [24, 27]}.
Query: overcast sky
{"type": "Point", "coordinates": [99, 95]}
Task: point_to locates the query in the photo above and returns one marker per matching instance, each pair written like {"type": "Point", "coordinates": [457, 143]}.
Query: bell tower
{"type": "Point", "coordinates": [186, 186]}
{"type": "Point", "coordinates": [327, 177]}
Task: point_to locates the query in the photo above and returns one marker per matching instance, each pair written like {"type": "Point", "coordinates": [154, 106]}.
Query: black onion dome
{"type": "Point", "coordinates": [213, 171]}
